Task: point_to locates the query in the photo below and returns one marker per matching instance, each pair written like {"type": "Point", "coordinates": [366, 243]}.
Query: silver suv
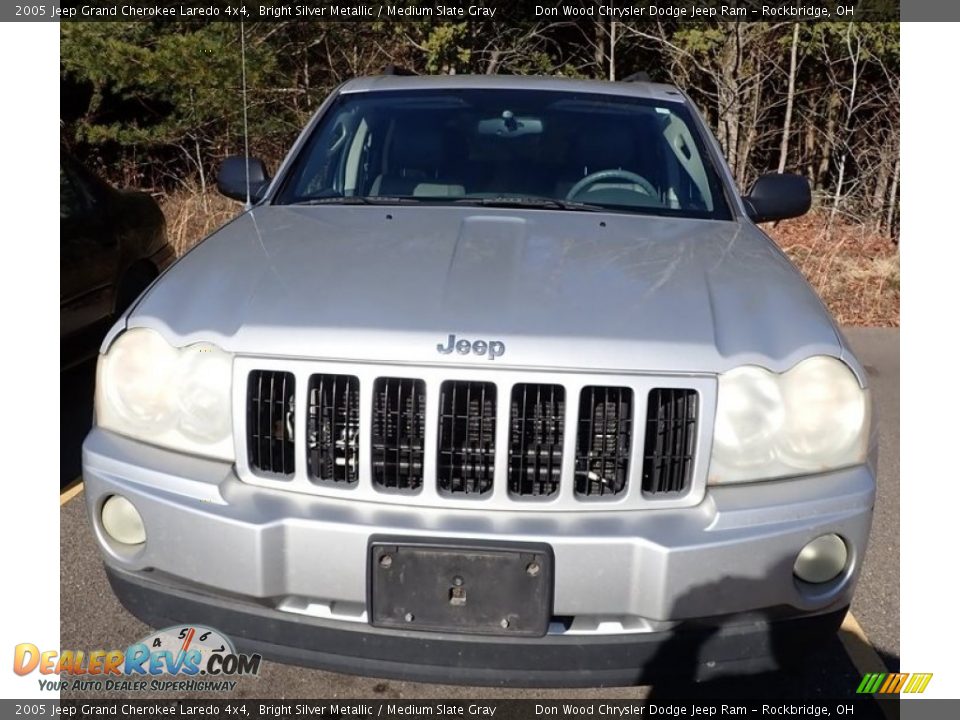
{"type": "Point", "coordinates": [496, 382]}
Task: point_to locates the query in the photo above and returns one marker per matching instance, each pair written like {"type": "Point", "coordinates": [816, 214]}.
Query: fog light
{"type": "Point", "coordinates": [821, 559]}
{"type": "Point", "coordinates": [122, 522]}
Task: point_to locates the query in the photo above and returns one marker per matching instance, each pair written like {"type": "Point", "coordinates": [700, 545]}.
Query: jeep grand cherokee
{"type": "Point", "coordinates": [495, 382]}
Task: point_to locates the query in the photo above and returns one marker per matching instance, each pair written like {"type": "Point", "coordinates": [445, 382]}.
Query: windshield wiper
{"type": "Point", "coordinates": [529, 202]}
{"type": "Point", "coordinates": [498, 201]}
{"type": "Point", "coordinates": [358, 200]}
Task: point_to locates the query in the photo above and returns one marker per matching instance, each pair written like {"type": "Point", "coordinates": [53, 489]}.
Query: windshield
{"type": "Point", "coordinates": [555, 150]}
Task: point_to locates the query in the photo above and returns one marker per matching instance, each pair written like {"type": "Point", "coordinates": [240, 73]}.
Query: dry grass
{"type": "Point", "coordinates": [856, 272]}
{"type": "Point", "coordinates": [192, 215]}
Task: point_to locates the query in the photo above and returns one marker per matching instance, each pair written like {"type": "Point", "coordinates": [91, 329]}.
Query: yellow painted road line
{"type": "Point", "coordinates": [864, 657]}
{"type": "Point", "coordinates": [71, 492]}
{"type": "Point", "coordinates": [858, 647]}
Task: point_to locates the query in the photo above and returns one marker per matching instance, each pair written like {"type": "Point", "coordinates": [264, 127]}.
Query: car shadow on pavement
{"type": "Point", "coordinates": [809, 668]}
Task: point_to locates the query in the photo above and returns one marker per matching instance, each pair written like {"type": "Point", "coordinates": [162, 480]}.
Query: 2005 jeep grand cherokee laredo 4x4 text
{"type": "Point", "coordinates": [497, 382]}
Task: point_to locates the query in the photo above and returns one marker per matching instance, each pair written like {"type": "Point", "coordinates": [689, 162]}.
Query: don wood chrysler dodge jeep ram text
{"type": "Point", "coordinates": [496, 382]}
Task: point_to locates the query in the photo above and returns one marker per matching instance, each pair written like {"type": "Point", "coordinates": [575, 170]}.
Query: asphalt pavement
{"type": "Point", "coordinates": [877, 602]}
{"type": "Point", "coordinates": [90, 616]}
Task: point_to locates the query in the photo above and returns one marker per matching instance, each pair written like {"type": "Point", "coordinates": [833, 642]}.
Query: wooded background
{"type": "Point", "coordinates": [158, 105]}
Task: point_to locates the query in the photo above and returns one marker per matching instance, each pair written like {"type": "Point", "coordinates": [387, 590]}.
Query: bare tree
{"type": "Point", "coordinates": [791, 91]}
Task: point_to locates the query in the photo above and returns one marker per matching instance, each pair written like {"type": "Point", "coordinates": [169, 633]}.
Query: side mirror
{"type": "Point", "coordinates": [232, 178]}
{"type": "Point", "coordinates": [778, 197]}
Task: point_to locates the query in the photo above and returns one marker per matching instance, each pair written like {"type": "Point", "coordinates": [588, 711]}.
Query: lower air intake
{"type": "Point", "coordinates": [333, 429]}
{"type": "Point", "coordinates": [466, 446]}
{"type": "Point", "coordinates": [603, 441]}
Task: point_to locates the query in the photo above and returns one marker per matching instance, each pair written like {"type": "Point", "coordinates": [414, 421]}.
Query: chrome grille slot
{"type": "Point", "coordinates": [670, 440]}
{"type": "Point", "coordinates": [333, 429]}
{"type": "Point", "coordinates": [270, 422]}
{"type": "Point", "coordinates": [467, 433]}
{"type": "Point", "coordinates": [536, 439]}
{"type": "Point", "coordinates": [397, 433]}
{"type": "Point", "coordinates": [604, 427]}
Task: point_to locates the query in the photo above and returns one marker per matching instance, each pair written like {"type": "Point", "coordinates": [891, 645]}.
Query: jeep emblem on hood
{"type": "Point", "coordinates": [491, 348]}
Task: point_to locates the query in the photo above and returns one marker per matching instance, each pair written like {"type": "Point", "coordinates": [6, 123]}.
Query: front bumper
{"type": "Point", "coordinates": [691, 652]}
{"type": "Point", "coordinates": [287, 572]}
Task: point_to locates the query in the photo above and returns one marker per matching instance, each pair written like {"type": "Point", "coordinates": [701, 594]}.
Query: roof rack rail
{"type": "Point", "coordinates": [392, 69]}
{"type": "Point", "coordinates": [637, 77]}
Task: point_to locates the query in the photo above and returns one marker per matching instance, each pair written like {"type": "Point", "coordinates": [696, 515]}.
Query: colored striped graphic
{"type": "Point", "coordinates": [892, 683]}
{"type": "Point", "coordinates": [918, 682]}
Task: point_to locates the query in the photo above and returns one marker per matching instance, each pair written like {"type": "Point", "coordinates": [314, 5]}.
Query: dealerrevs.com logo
{"type": "Point", "coordinates": [185, 652]}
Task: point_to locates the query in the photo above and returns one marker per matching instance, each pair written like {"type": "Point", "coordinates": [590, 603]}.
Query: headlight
{"type": "Point", "coordinates": [178, 398]}
{"type": "Point", "coordinates": [812, 418]}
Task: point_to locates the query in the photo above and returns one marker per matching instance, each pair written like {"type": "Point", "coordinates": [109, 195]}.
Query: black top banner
{"type": "Point", "coordinates": [507, 11]}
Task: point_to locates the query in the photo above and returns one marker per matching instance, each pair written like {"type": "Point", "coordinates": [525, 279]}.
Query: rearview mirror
{"type": "Point", "coordinates": [778, 197]}
{"type": "Point", "coordinates": [232, 178]}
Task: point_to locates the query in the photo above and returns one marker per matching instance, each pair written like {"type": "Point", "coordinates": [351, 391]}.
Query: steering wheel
{"type": "Point", "coordinates": [594, 178]}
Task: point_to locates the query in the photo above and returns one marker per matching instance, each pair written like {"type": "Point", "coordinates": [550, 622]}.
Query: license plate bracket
{"type": "Point", "coordinates": [461, 587]}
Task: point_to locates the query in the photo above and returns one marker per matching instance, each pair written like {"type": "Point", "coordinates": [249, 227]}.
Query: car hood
{"type": "Point", "coordinates": [573, 290]}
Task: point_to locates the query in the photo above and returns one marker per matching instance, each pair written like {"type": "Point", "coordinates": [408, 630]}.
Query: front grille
{"type": "Point", "coordinates": [333, 429]}
{"type": "Point", "coordinates": [670, 440]}
{"type": "Point", "coordinates": [603, 441]}
{"type": "Point", "coordinates": [536, 439]}
{"type": "Point", "coordinates": [397, 433]}
{"type": "Point", "coordinates": [551, 441]}
{"type": "Point", "coordinates": [467, 441]}
{"type": "Point", "coordinates": [270, 428]}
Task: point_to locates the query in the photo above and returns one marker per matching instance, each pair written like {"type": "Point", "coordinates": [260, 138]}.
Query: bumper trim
{"type": "Point", "coordinates": [695, 651]}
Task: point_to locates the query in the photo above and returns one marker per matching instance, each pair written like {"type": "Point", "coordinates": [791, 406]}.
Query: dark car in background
{"type": "Point", "coordinates": [112, 246]}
